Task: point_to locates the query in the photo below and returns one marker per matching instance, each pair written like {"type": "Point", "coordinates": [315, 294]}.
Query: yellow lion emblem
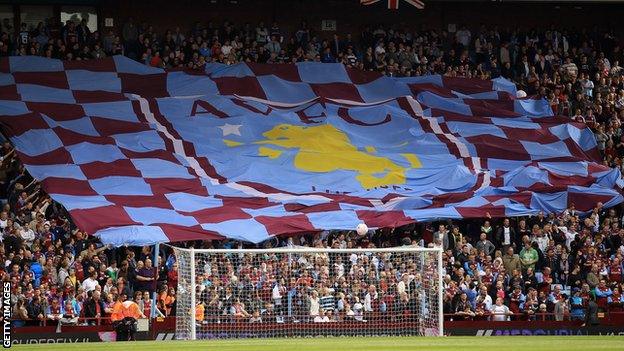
{"type": "Point", "coordinates": [325, 148]}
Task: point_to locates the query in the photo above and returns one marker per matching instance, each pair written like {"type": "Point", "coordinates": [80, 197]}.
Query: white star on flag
{"type": "Point", "coordinates": [231, 129]}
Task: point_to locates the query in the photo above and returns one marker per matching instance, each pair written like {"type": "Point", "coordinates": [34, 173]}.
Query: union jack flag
{"type": "Point", "coordinates": [394, 4]}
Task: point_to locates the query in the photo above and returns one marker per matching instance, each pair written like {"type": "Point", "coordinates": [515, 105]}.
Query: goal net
{"type": "Point", "coordinates": [308, 292]}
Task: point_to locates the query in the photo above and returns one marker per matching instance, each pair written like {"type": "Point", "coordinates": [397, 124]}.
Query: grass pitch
{"type": "Point", "coordinates": [502, 343]}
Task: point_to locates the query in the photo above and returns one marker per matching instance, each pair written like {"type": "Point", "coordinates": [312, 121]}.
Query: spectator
{"type": "Point", "coordinates": [500, 312]}
{"type": "Point", "coordinates": [200, 313]}
{"type": "Point", "coordinates": [321, 317]}
{"type": "Point", "coordinates": [91, 282]}
{"type": "Point", "coordinates": [37, 307]}
{"type": "Point", "coordinates": [443, 235]}
{"type": "Point", "coordinates": [166, 300]}
{"type": "Point", "coordinates": [130, 35]}
{"type": "Point", "coordinates": [94, 308]}
{"type": "Point", "coordinates": [314, 304]}
{"type": "Point", "coordinates": [591, 313]}
{"type": "Point", "coordinates": [562, 308]}
{"type": "Point", "coordinates": [371, 300]}
{"type": "Point", "coordinates": [616, 300]}
{"type": "Point", "coordinates": [528, 256]}
{"type": "Point", "coordinates": [505, 235]}
{"type": "Point", "coordinates": [255, 317]}
{"type": "Point", "coordinates": [602, 293]}
{"type": "Point", "coordinates": [511, 261]}
{"type": "Point", "coordinates": [593, 277]}
{"type": "Point", "coordinates": [145, 276]}
{"type": "Point", "coordinates": [54, 312]}
{"type": "Point", "coordinates": [20, 313]}
{"type": "Point", "coordinates": [484, 245]}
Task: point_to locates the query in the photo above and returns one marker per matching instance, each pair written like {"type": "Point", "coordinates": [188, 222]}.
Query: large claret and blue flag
{"type": "Point", "coordinates": [139, 155]}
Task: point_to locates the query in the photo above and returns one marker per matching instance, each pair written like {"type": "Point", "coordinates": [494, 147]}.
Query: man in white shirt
{"type": "Point", "coordinates": [278, 291]}
{"type": "Point", "coordinates": [358, 310]}
{"type": "Point", "coordinates": [500, 312]}
{"type": "Point", "coordinates": [371, 296]}
{"type": "Point", "coordinates": [485, 298]}
{"type": "Point", "coordinates": [4, 218]}
{"type": "Point", "coordinates": [570, 234]}
{"type": "Point", "coordinates": [90, 283]}
{"type": "Point", "coordinates": [314, 304]}
{"type": "Point", "coordinates": [542, 239]}
{"type": "Point", "coordinates": [380, 49]}
{"type": "Point", "coordinates": [226, 48]}
{"type": "Point", "coordinates": [353, 258]}
{"type": "Point", "coordinates": [443, 235]}
{"type": "Point", "coordinates": [403, 285]}
{"type": "Point", "coordinates": [321, 318]}
{"type": "Point", "coordinates": [27, 234]}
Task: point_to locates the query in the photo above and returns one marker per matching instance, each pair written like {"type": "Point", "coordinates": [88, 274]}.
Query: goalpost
{"type": "Point", "coordinates": [309, 292]}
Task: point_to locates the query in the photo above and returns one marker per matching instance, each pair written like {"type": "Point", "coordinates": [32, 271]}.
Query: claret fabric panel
{"type": "Point", "coordinates": [140, 155]}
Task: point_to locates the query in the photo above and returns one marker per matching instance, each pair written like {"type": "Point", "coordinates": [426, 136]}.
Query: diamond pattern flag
{"type": "Point", "coordinates": [140, 155]}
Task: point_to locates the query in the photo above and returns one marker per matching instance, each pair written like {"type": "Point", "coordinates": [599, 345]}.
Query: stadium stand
{"type": "Point", "coordinates": [546, 267]}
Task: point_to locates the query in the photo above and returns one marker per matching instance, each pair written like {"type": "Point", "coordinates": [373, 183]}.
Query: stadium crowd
{"type": "Point", "coordinates": [556, 266]}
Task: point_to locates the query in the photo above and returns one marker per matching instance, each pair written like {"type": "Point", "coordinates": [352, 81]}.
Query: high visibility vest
{"type": "Point", "coordinates": [131, 309]}
{"type": "Point", "coordinates": [117, 314]}
{"type": "Point", "coordinates": [199, 312]}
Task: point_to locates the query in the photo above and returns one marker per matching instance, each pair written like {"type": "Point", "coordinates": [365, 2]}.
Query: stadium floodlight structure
{"type": "Point", "coordinates": [309, 292]}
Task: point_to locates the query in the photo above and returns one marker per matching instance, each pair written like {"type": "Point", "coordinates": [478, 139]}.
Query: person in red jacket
{"type": "Point", "coordinates": [172, 276]}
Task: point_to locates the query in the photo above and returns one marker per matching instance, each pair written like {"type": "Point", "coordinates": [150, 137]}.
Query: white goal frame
{"type": "Point", "coordinates": [305, 250]}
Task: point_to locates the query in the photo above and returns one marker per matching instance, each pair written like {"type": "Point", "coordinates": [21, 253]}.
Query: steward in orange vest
{"type": "Point", "coordinates": [131, 310]}
{"type": "Point", "coordinates": [117, 314]}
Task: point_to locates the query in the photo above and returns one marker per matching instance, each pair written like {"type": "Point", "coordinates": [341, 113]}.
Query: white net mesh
{"type": "Point", "coordinates": [303, 292]}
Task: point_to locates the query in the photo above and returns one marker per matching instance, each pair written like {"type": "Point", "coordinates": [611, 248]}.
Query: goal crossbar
{"type": "Point", "coordinates": [299, 249]}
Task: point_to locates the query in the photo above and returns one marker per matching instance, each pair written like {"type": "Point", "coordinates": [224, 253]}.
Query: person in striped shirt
{"type": "Point", "coordinates": [327, 300]}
